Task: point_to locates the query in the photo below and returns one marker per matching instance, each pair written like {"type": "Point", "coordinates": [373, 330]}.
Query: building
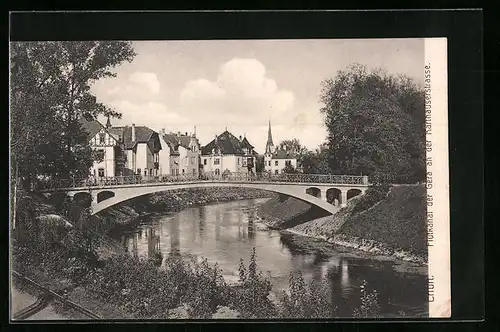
{"type": "Point", "coordinates": [275, 160]}
{"type": "Point", "coordinates": [109, 147]}
{"type": "Point", "coordinates": [141, 146]}
{"type": "Point", "coordinates": [226, 152]}
{"type": "Point", "coordinates": [184, 153]}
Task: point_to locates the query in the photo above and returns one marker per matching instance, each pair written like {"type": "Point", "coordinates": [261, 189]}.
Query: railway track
{"type": "Point", "coordinates": [46, 298]}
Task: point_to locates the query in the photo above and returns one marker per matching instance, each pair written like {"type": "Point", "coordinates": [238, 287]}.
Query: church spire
{"type": "Point", "coordinates": [108, 123]}
{"type": "Point", "coordinates": [269, 144]}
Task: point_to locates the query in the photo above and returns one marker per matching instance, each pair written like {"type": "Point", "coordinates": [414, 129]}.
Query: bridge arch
{"type": "Point", "coordinates": [124, 193]}
{"type": "Point", "coordinates": [353, 193]}
{"type": "Point", "coordinates": [83, 198]}
{"type": "Point", "coordinates": [314, 191]}
{"type": "Point", "coordinates": [104, 195]}
{"type": "Point", "coordinates": [334, 196]}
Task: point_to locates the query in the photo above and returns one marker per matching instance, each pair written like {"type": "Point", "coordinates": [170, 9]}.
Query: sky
{"type": "Point", "coordinates": [241, 85]}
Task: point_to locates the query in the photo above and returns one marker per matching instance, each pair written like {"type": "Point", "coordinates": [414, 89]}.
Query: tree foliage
{"type": "Point", "coordinates": [375, 125]}
{"type": "Point", "coordinates": [50, 91]}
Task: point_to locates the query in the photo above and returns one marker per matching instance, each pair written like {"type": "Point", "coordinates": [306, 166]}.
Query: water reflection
{"type": "Point", "coordinates": [224, 233]}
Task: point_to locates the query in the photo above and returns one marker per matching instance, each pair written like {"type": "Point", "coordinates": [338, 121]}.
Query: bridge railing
{"type": "Point", "coordinates": [243, 177]}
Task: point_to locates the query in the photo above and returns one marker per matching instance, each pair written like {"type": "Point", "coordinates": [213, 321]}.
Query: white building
{"type": "Point", "coordinates": [228, 153]}
{"type": "Point", "coordinates": [275, 160]}
{"type": "Point", "coordinates": [184, 152]}
{"type": "Point", "coordinates": [142, 146]}
{"type": "Point", "coordinates": [107, 145]}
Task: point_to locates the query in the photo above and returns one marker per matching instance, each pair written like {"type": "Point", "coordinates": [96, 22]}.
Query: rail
{"type": "Point", "coordinates": [48, 293]}
{"type": "Point", "coordinates": [211, 177]}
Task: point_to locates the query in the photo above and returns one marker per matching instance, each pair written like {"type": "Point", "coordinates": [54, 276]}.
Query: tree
{"type": "Point", "coordinates": [316, 162]}
{"type": "Point", "coordinates": [50, 91]}
{"type": "Point", "coordinates": [375, 125]}
{"type": "Point", "coordinates": [289, 169]}
{"type": "Point", "coordinates": [294, 146]}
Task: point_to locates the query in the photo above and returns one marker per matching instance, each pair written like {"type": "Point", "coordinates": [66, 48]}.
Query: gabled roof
{"type": "Point", "coordinates": [227, 143]}
{"type": "Point", "coordinates": [172, 142]}
{"type": "Point", "coordinates": [246, 144]}
{"type": "Point", "coordinates": [283, 154]}
{"type": "Point", "coordinates": [91, 126]}
{"type": "Point", "coordinates": [142, 135]}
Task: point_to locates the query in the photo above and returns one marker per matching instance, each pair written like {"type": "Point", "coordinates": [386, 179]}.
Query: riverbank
{"type": "Point", "coordinates": [127, 287]}
{"type": "Point", "coordinates": [385, 225]}
{"type": "Point", "coordinates": [129, 213]}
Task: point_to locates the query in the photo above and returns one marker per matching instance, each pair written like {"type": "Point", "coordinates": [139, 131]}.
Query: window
{"type": "Point", "coordinates": [288, 163]}
{"type": "Point", "coordinates": [269, 163]}
{"type": "Point", "coordinates": [138, 171]}
{"type": "Point", "coordinates": [183, 171]}
{"type": "Point", "coordinates": [145, 172]}
{"type": "Point", "coordinates": [100, 171]}
{"type": "Point", "coordinates": [217, 171]}
{"type": "Point", "coordinates": [239, 162]}
{"type": "Point", "coordinates": [276, 172]}
{"type": "Point", "coordinates": [100, 154]}
{"type": "Point", "coordinates": [150, 171]}
{"type": "Point", "coordinates": [276, 163]}
{"type": "Point", "coordinates": [172, 171]}
{"type": "Point", "coordinates": [216, 161]}
{"type": "Point", "coordinates": [102, 138]}
{"type": "Point", "coordinates": [204, 161]}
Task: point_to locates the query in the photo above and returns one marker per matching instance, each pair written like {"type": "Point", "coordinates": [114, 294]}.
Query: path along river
{"type": "Point", "coordinates": [226, 232]}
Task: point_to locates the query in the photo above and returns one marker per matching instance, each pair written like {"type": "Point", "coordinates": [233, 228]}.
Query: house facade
{"type": "Point", "coordinates": [226, 152]}
{"type": "Point", "coordinates": [184, 152]}
{"type": "Point", "coordinates": [275, 160]}
{"type": "Point", "coordinates": [141, 147]}
{"type": "Point", "coordinates": [108, 146]}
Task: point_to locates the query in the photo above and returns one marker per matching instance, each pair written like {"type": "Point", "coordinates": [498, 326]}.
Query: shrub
{"type": "Point", "coordinates": [251, 296]}
{"type": "Point", "coordinates": [307, 301]}
{"type": "Point", "coordinates": [369, 307]}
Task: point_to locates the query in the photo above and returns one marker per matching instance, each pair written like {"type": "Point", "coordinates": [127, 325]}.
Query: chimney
{"type": "Point", "coordinates": [240, 138]}
{"type": "Point", "coordinates": [133, 132]}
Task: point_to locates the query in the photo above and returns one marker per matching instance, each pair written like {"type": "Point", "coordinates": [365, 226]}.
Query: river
{"type": "Point", "coordinates": [226, 232]}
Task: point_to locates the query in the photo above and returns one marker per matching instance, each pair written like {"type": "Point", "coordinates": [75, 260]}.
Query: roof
{"type": "Point", "coordinates": [172, 142]}
{"type": "Point", "coordinates": [227, 143]}
{"type": "Point", "coordinates": [283, 154]}
{"type": "Point", "coordinates": [142, 135]}
{"type": "Point", "coordinates": [246, 144]}
{"type": "Point", "coordinates": [90, 125]}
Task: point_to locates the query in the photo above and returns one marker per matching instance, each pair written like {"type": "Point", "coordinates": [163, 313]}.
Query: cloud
{"type": "Point", "coordinates": [145, 80]}
{"type": "Point", "coordinates": [152, 114]}
{"type": "Point", "coordinates": [137, 86]}
{"type": "Point", "coordinates": [241, 91]}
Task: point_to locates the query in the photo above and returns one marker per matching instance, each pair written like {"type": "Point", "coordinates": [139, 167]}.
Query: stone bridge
{"type": "Point", "coordinates": [329, 192]}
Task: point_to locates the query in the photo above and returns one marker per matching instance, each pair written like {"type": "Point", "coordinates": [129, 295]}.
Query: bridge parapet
{"type": "Point", "coordinates": [172, 179]}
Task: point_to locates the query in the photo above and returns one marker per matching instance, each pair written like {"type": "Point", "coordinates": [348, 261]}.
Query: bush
{"type": "Point", "coordinates": [307, 301]}
{"type": "Point", "coordinates": [251, 296]}
{"type": "Point", "coordinates": [369, 307]}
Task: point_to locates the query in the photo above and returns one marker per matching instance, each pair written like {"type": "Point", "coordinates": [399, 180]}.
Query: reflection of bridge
{"type": "Point", "coordinates": [328, 192]}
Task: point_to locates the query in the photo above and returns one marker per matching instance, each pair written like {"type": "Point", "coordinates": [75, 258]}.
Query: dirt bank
{"type": "Point", "coordinates": [390, 224]}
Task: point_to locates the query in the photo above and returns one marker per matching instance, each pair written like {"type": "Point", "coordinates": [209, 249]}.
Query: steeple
{"type": "Point", "coordinates": [269, 144]}
{"type": "Point", "coordinates": [108, 123]}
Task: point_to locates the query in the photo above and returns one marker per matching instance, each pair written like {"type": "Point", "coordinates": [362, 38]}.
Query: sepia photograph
{"type": "Point", "coordinates": [229, 179]}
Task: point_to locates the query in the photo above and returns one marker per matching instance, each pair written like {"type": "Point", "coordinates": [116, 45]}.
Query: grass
{"type": "Point", "coordinates": [398, 220]}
